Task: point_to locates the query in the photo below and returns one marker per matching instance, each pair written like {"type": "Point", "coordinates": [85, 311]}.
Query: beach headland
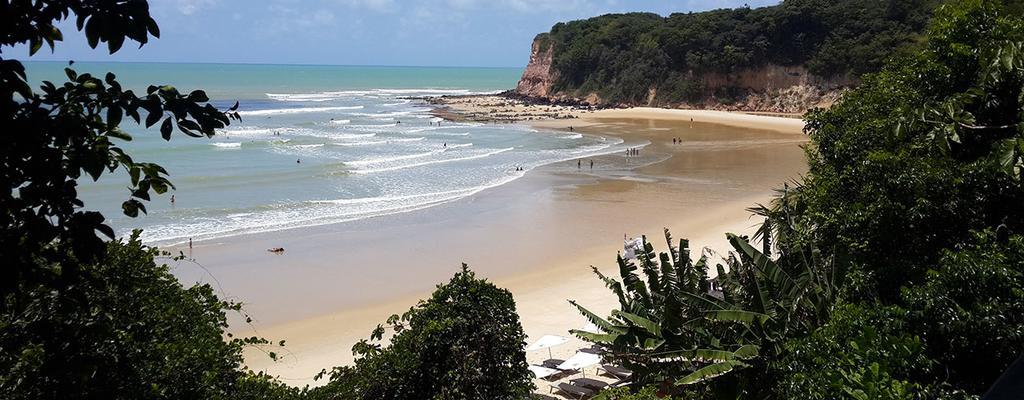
{"type": "Point", "coordinates": [538, 236]}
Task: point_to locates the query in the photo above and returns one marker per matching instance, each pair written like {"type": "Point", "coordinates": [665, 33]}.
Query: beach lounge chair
{"type": "Point", "coordinates": [573, 391]}
{"type": "Point", "coordinates": [617, 372]}
{"type": "Point", "coordinates": [544, 372]}
{"type": "Point", "coordinates": [551, 363]}
{"type": "Point", "coordinates": [589, 383]}
{"type": "Point", "coordinates": [594, 349]}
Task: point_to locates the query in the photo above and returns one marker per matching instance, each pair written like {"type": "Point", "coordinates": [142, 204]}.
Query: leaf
{"type": "Point", "coordinates": [710, 371]}
{"type": "Point", "coordinates": [34, 45]}
{"type": "Point", "coordinates": [166, 128]}
{"type": "Point", "coordinates": [114, 114]}
{"type": "Point", "coordinates": [152, 118]}
{"type": "Point", "coordinates": [741, 316]}
{"type": "Point", "coordinates": [600, 338]}
{"type": "Point", "coordinates": [198, 96]}
{"type": "Point", "coordinates": [114, 43]}
{"type": "Point", "coordinates": [648, 325]}
{"type": "Point", "coordinates": [601, 323]}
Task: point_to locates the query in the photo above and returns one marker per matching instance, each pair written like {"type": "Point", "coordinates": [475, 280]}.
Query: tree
{"type": "Point", "coordinates": [71, 129]}
{"type": "Point", "coordinates": [139, 334]}
{"type": "Point", "coordinates": [464, 342]}
{"type": "Point", "coordinates": [81, 317]}
{"type": "Point", "coordinates": [675, 330]}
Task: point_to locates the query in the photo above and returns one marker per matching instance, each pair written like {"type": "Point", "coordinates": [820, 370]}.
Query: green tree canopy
{"type": "Point", "coordinates": [464, 342]}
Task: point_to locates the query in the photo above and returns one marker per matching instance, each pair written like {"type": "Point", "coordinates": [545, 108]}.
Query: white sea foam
{"type": "Point", "coordinates": [394, 168]}
{"type": "Point", "coordinates": [227, 145]}
{"type": "Point", "coordinates": [298, 110]}
{"type": "Point", "coordinates": [376, 142]}
{"type": "Point", "coordinates": [383, 160]}
{"type": "Point", "coordinates": [431, 162]}
{"type": "Point", "coordinates": [312, 213]}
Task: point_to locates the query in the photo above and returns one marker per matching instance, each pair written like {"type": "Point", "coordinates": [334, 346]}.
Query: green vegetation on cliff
{"type": "Point", "coordinates": [893, 270]}
{"type": "Point", "coordinates": [622, 56]}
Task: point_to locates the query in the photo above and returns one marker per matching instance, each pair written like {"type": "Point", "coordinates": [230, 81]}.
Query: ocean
{"type": "Point", "coordinates": [317, 145]}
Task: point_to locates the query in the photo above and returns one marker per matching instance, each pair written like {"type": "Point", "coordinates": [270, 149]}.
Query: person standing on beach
{"type": "Point", "coordinates": [591, 165]}
{"type": "Point", "coordinates": [172, 200]}
{"type": "Point", "coordinates": [578, 163]}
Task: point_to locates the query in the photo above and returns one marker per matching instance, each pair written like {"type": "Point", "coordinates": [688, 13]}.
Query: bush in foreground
{"type": "Point", "coordinates": [465, 342]}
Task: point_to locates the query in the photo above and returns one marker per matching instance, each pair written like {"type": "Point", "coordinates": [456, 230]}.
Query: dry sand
{"type": "Point", "coordinates": [537, 236]}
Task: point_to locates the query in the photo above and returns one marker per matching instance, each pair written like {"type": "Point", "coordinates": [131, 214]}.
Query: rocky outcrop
{"type": "Point", "coordinates": [538, 77]}
{"type": "Point", "coordinates": [771, 88]}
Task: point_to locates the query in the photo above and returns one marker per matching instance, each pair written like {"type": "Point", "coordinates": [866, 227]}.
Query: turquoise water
{"type": "Point", "coordinates": [318, 145]}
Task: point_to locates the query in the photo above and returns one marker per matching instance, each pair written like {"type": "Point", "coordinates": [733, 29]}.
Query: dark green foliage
{"type": "Point", "coordinates": [864, 352]}
{"type": "Point", "coordinates": [886, 164]}
{"type": "Point", "coordinates": [71, 129]}
{"type": "Point", "coordinates": [80, 317]}
{"type": "Point", "coordinates": [970, 310]}
{"type": "Point", "coordinates": [916, 177]}
{"type": "Point", "coordinates": [622, 56]}
{"type": "Point", "coordinates": [674, 331]}
{"type": "Point", "coordinates": [914, 198]}
{"type": "Point", "coordinates": [129, 330]}
{"type": "Point", "coordinates": [465, 342]}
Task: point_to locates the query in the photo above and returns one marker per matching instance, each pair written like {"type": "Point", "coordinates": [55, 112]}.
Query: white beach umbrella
{"type": "Point", "coordinates": [579, 361]}
{"type": "Point", "coordinates": [547, 342]}
{"type": "Point", "coordinates": [542, 372]}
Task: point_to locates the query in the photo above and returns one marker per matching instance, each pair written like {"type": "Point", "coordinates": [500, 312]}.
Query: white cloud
{"type": "Point", "coordinates": [189, 7]}
{"type": "Point", "coordinates": [374, 5]}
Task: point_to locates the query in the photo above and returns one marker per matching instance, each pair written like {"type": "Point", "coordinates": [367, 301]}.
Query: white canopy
{"type": "Point", "coordinates": [547, 341]}
{"type": "Point", "coordinates": [542, 372]}
{"type": "Point", "coordinates": [579, 360]}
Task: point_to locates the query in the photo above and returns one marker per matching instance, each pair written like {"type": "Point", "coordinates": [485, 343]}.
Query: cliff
{"type": "Point", "coordinates": [538, 77]}
{"type": "Point", "coordinates": [782, 58]}
{"type": "Point", "coordinates": [770, 88]}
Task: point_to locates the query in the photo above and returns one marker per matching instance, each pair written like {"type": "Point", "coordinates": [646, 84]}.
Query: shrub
{"type": "Point", "coordinates": [464, 342]}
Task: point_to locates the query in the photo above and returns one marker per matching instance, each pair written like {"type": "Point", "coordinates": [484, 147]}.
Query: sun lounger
{"type": "Point", "coordinates": [617, 372]}
{"type": "Point", "coordinates": [594, 349]}
{"type": "Point", "coordinates": [589, 383]}
{"type": "Point", "coordinates": [544, 372]}
{"type": "Point", "coordinates": [551, 363]}
{"type": "Point", "coordinates": [577, 392]}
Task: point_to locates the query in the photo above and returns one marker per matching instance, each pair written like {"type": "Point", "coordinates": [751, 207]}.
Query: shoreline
{"type": "Point", "coordinates": [536, 236]}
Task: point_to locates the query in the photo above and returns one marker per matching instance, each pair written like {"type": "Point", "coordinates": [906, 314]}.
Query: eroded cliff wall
{"type": "Point", "coordinates": [771, 88]}
{"type": "Point", "coordinates": [538, 76]}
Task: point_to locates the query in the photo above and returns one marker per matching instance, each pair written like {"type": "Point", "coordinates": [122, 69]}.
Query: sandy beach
{"type": "Point", "coordinates": [537, 236]}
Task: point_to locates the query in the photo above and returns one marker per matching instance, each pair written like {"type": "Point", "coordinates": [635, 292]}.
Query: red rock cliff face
{"type": "Point", "coordinates": [771, 88]}
{"type": "Point", "coordinates": [538, 76]}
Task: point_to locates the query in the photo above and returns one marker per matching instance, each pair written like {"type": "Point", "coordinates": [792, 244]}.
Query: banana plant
{"type": "Point", "coordinates": [675, 326]}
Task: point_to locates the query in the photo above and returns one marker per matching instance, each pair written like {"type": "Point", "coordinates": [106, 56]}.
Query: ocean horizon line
{"type": "Point", "coordinates": [23, 60]}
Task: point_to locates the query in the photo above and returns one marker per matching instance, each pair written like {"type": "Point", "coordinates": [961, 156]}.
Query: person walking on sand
{"type": "Point", "coordinates": [578, 163]}
{"type": "Point", "coordinates": [591, 165]}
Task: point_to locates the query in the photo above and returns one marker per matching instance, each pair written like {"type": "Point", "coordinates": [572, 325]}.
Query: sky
{"type": "Point", "coordinates": [482, 33]}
